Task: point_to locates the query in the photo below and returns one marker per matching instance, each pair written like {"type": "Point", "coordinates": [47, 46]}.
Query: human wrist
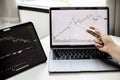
{"type": "Point", "coordinates": [112, 49]}
{"type": "Point", "coordinates": [115, 53]}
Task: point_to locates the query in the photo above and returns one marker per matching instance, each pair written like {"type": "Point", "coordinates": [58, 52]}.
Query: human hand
{"type": "Point", "coordinates": [103, 42]}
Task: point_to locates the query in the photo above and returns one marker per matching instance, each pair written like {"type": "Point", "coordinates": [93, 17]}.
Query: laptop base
{"type": "Point", "coordinates": [82, 65]}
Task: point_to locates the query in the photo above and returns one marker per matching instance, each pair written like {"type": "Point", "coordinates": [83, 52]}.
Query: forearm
{"type": "Point", "coordinates": [115, 53]}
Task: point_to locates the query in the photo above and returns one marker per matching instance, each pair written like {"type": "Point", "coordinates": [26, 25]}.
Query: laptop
{"type": "Point", "coordinates": [72, 48]}
{"type": "Point", "coordinates": [20, 49]}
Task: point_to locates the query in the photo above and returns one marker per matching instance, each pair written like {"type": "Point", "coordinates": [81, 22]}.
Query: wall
{"type": "Point", "coordinates": [39, 19]}
{"type": "Point", "coordinates": [8, 11]}
{"type": "Point", "coordinates": [117, 21]}
{"type": "Point", "coordinates": [114, 6]}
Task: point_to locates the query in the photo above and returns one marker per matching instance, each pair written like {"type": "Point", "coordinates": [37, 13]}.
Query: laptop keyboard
{"type": "Point", "coordinates": [71, 54]}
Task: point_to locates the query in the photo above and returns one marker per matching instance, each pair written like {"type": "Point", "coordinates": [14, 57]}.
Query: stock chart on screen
{"type": "Point", "coordinates": [65, 29]}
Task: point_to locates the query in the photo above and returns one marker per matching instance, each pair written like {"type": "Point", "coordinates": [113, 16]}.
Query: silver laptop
{"type": "Point", "coordinates": [72, 48]}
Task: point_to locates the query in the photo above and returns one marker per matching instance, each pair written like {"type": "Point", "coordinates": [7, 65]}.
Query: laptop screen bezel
{"type": "Point", "coordinates": [75, 8]}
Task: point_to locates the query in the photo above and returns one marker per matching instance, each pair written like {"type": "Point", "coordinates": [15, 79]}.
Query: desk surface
{"type": "Point", "coordinates": [40, 72]}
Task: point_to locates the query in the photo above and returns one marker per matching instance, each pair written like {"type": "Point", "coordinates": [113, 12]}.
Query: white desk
{"type": "Point", "coordinates": [40, 72]}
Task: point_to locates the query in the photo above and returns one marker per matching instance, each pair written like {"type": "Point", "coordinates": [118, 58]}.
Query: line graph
{"type": "Point", "coordinates": [14, 46]}
{"type": "Point", "coordinates": [90, 16]}
{"type": "Point", "coordinates": [13, 39]}
{"type": "Point", "coordinates": [79, 21]}
{"type": "Point", "coordinates": [65, 29]}
{"type": "Point", "coordinates": [17, 52]}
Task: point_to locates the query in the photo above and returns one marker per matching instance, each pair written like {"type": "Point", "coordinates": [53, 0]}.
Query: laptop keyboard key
{"type": "Point", "coordinates": [67, 54]}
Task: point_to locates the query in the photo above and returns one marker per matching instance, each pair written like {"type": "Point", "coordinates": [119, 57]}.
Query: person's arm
{"type": "Point", "coordinates": [115, 53]}
{"type": "Point", "coordinates": [106, 44]}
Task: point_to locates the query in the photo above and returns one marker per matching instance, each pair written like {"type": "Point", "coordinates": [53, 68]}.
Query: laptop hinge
{"type": "Point", "coordinates": [77, 48]}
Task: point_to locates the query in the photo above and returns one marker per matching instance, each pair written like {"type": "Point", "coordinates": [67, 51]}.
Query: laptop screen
{"type": "Point", "coordinates": [65, 21]}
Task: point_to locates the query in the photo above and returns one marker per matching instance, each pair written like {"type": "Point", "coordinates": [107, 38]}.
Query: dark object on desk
{"type": "Point", "coordinates": [20, 49]}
